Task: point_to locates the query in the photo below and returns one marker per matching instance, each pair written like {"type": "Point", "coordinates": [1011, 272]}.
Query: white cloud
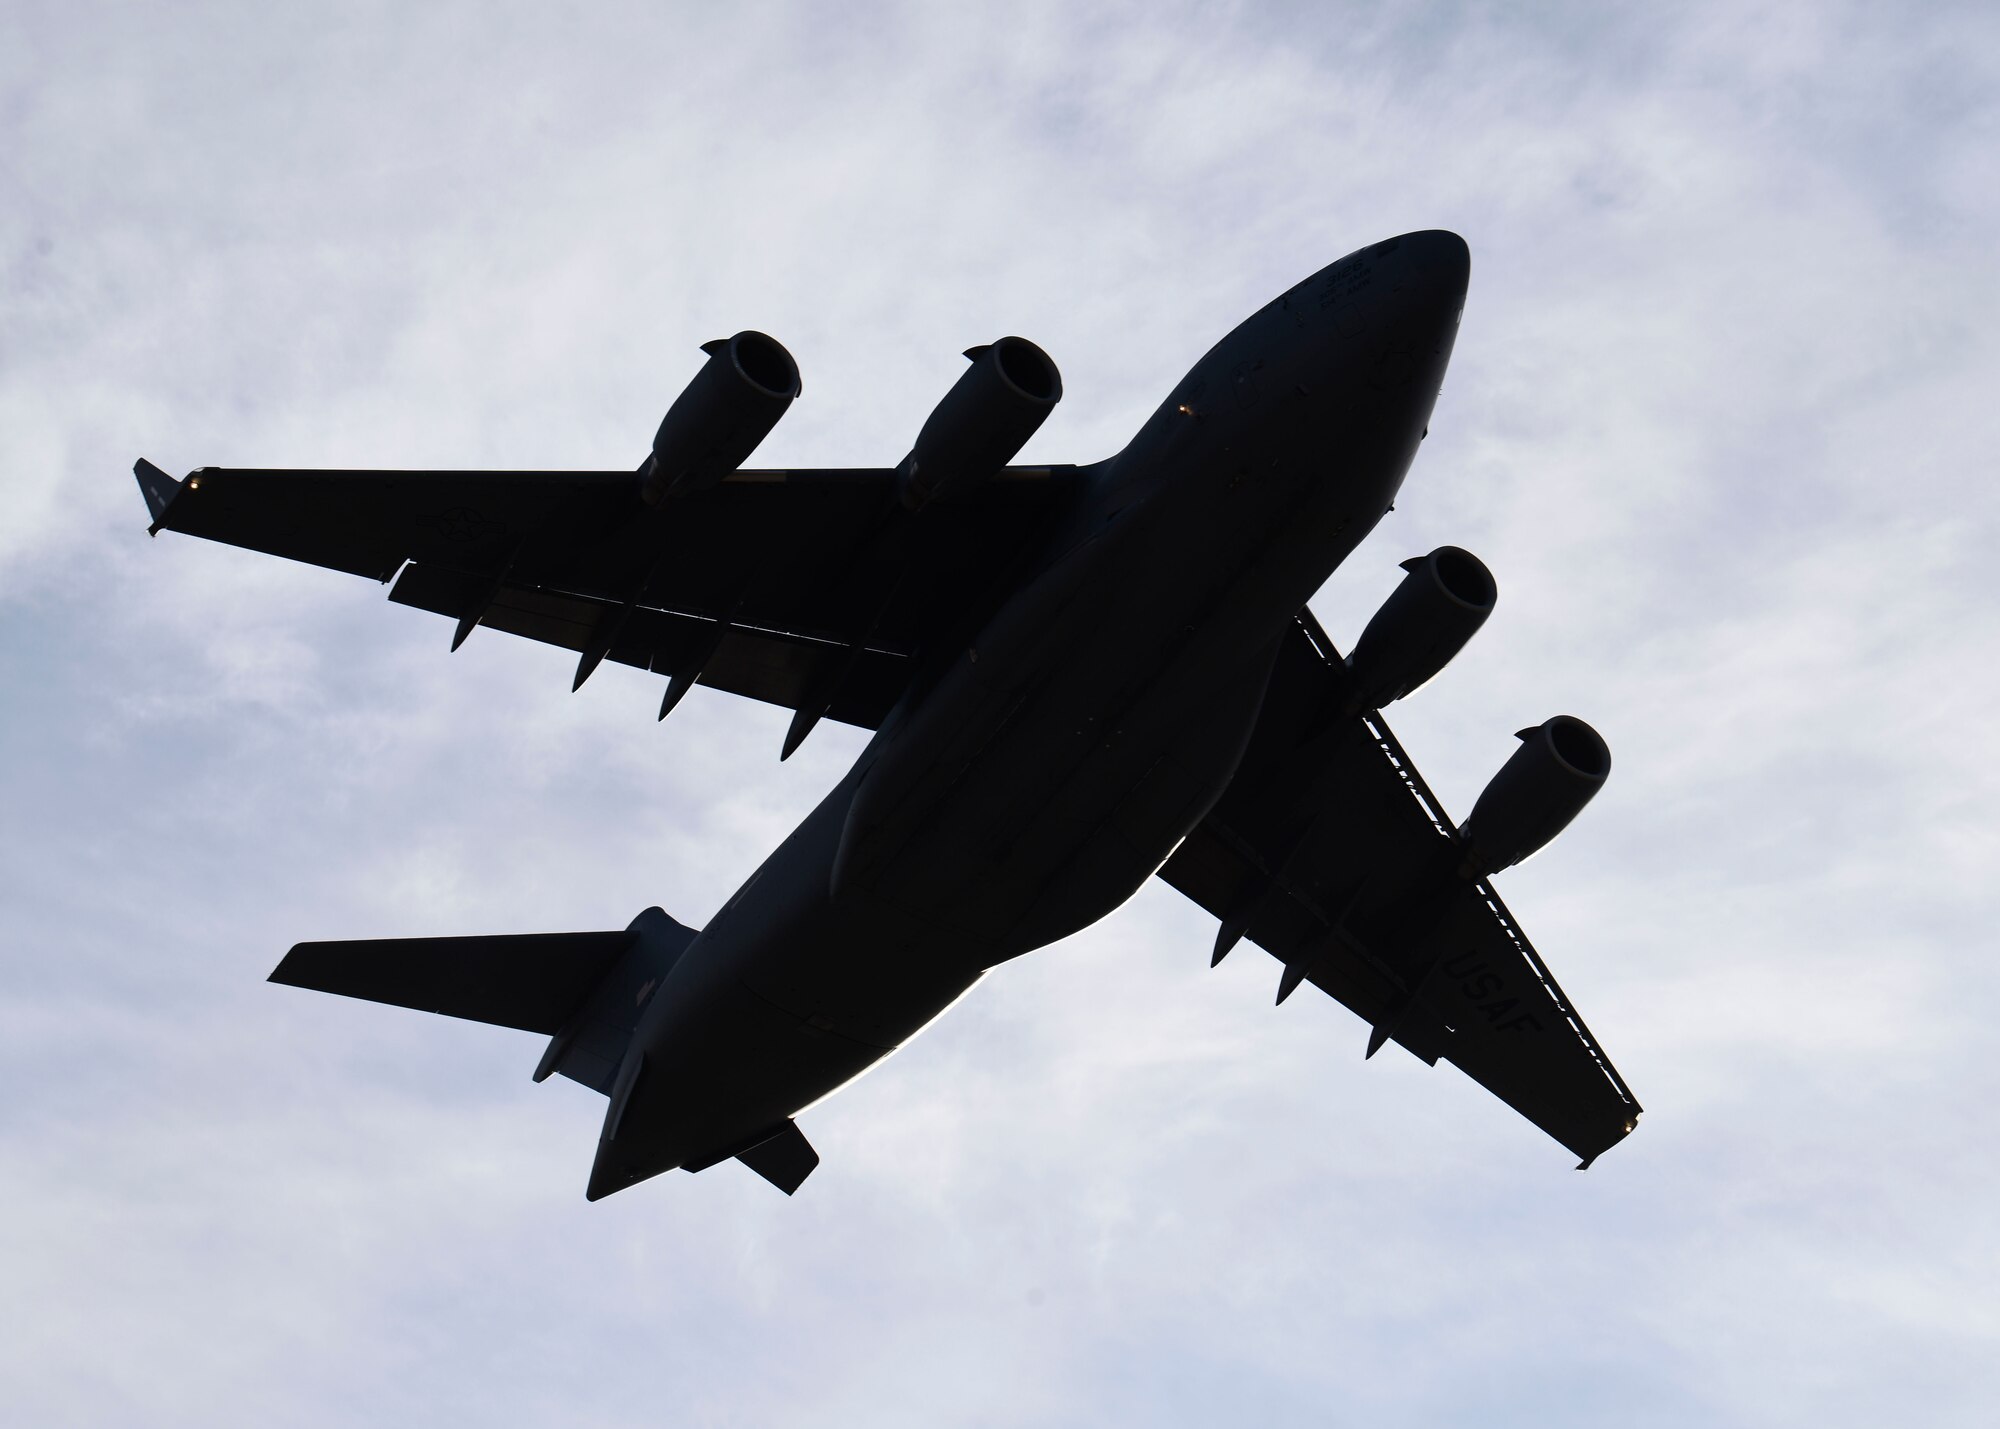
{"type": "Point", "coordinates": [1719, 419]}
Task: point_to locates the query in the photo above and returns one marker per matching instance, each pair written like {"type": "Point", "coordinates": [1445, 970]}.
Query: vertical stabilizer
{"type": "Point", "coordinates": [590, 1045]}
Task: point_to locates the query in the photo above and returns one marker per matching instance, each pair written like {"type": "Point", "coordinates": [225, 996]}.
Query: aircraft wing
{"type": "Point", "coordinates": [808, 589]}
{"type": "Point", "coordinates": [1329, 851]}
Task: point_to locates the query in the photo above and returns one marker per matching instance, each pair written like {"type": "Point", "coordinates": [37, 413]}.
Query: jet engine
{"type": "Point", "coordinates": [1544, 785]}
{"type": "Point", "coordinates": [747, 383]}
{"type": "Point", "coordinates": [1426, 620]}
{"type": "Point", "coordinates": [988, 415]}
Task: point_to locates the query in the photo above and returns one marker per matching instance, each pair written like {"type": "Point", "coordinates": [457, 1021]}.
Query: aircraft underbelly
{"type": "Point", "coordinates": [794, 987]}
{"type": "Point", "coordinates": [1124, 730]}
{"type": "Point", "coordinates": [786, 994]}
{"type": "Point", "coordinates": [1072, 810]}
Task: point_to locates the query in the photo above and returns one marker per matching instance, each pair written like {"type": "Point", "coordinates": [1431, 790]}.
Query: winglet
{"type": "Point", "coordinates": [158, 488]}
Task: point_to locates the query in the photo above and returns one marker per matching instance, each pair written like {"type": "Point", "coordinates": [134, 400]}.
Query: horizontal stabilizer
{"type": "Point", "coordinates": [785, 1160]}
{"type": "Point", "coordinates": [781, 1155]}
{"type": "Point", "coordinates": [534, 981]}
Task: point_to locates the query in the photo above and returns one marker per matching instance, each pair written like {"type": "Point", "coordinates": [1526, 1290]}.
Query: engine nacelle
{"type": "Point", "coordinates": [1560, 765]}
{"type": "Point", "coordinates": [988, 415]}
{"type": "Point", "coordinates": [748, 382]}
{"type": "Point", "coordinates": [1426, 620]}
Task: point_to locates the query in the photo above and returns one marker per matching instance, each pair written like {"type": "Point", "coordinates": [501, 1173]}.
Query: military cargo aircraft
{"type": "Point", "coordinates": [1077, 677]}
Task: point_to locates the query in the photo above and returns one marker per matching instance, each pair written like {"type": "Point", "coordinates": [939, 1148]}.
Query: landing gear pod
{"type": "Point", "coordinates": [1426, 620]}
{"type": "Point", "coordinates": [1559, 767]}
{"type": "Point", "coordinates": [989, 414]}
{"type": "Point", "coordinates": [748, 383]}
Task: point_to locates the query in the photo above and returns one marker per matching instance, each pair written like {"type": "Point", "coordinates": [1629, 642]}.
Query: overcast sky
{"type": "Point", "coordinates": [1721, 419]}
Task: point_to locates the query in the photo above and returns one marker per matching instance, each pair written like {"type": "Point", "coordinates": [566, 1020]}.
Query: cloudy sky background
{"type": "Point", "coordinates": [1721, 418]}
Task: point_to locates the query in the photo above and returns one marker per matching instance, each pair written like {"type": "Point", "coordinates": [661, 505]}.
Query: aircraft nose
{"type": "Point", "coordinates": [1441, 257]}
{"type": "Point", "coordinates": [1425, 274]}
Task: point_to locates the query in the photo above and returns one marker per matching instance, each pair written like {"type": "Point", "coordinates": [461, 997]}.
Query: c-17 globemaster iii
{"type": "Point", "coordinates": [1078, 677]}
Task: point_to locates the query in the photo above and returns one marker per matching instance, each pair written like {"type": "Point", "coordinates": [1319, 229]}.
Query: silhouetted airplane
{"type": "Point", "coordinates": [1078, 676]}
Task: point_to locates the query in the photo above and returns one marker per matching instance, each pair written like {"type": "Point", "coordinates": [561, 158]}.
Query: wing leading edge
{"type": "Point", "coordinates": [1329, 851]}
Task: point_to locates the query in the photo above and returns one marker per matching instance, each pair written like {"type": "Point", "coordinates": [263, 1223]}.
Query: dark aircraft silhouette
{"type": "Point", "coordinates": [1078, 677]}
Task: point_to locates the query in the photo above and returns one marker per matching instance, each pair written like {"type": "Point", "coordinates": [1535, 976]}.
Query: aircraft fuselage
{"type": "Point", "coordinates": [1037, 775]}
